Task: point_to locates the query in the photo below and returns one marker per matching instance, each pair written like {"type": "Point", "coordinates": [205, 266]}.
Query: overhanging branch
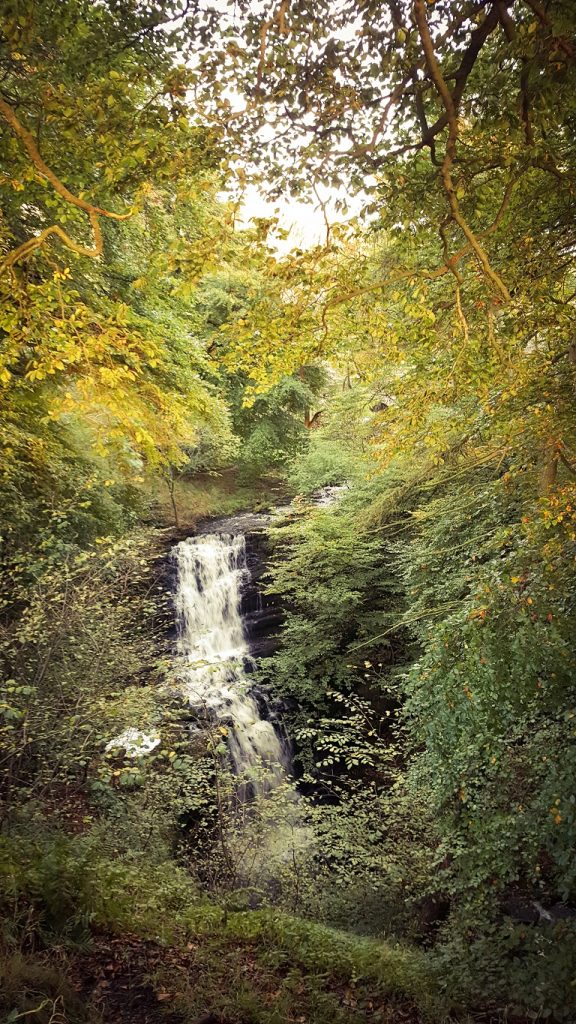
{"type": "Point", "coordinates": [94, 212]}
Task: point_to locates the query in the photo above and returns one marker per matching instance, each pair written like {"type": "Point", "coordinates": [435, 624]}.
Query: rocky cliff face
{"type": "Point", "coordinates": [261, 613]}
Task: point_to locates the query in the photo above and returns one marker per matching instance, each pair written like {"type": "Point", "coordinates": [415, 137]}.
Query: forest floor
{"type": "Point", "coordinates": [127, 979]}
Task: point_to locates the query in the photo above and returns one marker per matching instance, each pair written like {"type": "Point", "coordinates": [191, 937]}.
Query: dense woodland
{"type": "Point", "coordinates": [163, 360]}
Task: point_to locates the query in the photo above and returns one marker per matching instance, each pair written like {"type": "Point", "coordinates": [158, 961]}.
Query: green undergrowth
{"type": "Point", "coordinates": [385, 968]}
{"type": "Point", "coordinates": [59, 898]}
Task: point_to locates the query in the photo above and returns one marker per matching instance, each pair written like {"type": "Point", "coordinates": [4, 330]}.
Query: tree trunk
{"type": "Point", "coordinates": [171, 489]}
{"type": "Point", "coordinates": [549, 469]}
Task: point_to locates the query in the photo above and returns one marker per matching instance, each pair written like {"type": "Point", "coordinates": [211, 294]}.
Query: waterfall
{"type": "Point", "coordinates": [214, 654]}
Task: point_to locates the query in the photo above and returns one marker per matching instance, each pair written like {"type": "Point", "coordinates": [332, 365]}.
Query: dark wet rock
{"type": "Point", "coordinates": [530, 911]}
{"type": "Point", "coordinates": [246, 523]}
{"type": "Point", "coordinates": [262, 613]}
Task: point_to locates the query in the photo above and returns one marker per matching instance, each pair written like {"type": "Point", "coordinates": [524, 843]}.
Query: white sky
{"type": "Point", "coordinates": [304, 222]}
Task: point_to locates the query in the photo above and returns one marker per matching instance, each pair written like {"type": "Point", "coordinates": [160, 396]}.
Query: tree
{"type": "Point", "coordinates": [455, 122]}
{"type": "Point", "coordinates": [101, 371]}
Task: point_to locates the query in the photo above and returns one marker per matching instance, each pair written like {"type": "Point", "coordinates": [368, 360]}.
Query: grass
{"type": "Point", "coordinates": [212, 496]}
{"type": "Point", "coordinates": [137, 942]}
{"type": "Point", "coordinates": [330, 960]}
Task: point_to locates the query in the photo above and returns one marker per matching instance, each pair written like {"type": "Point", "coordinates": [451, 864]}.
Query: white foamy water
{"type": "Point", "coordinates": [214, 653]}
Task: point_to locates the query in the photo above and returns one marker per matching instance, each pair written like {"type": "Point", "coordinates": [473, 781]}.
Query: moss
{"type": "Point", "coordinates": [377, 967]}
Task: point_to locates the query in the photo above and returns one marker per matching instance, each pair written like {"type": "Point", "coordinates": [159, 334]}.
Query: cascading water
{"type": "Point", "coordinates": [214, 653]}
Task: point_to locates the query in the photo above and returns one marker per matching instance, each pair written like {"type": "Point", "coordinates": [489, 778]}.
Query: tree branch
{"type": "Point", "coordinates": [477, 39]}
{"type": "Point", "coordinates": [278, 18]}
{"type": "Point", "coordinates": [94, 212]}
{"type": "Point", "coordinates": [450, 105]}
{"type": "Point", "coordinates": [449, 267]}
